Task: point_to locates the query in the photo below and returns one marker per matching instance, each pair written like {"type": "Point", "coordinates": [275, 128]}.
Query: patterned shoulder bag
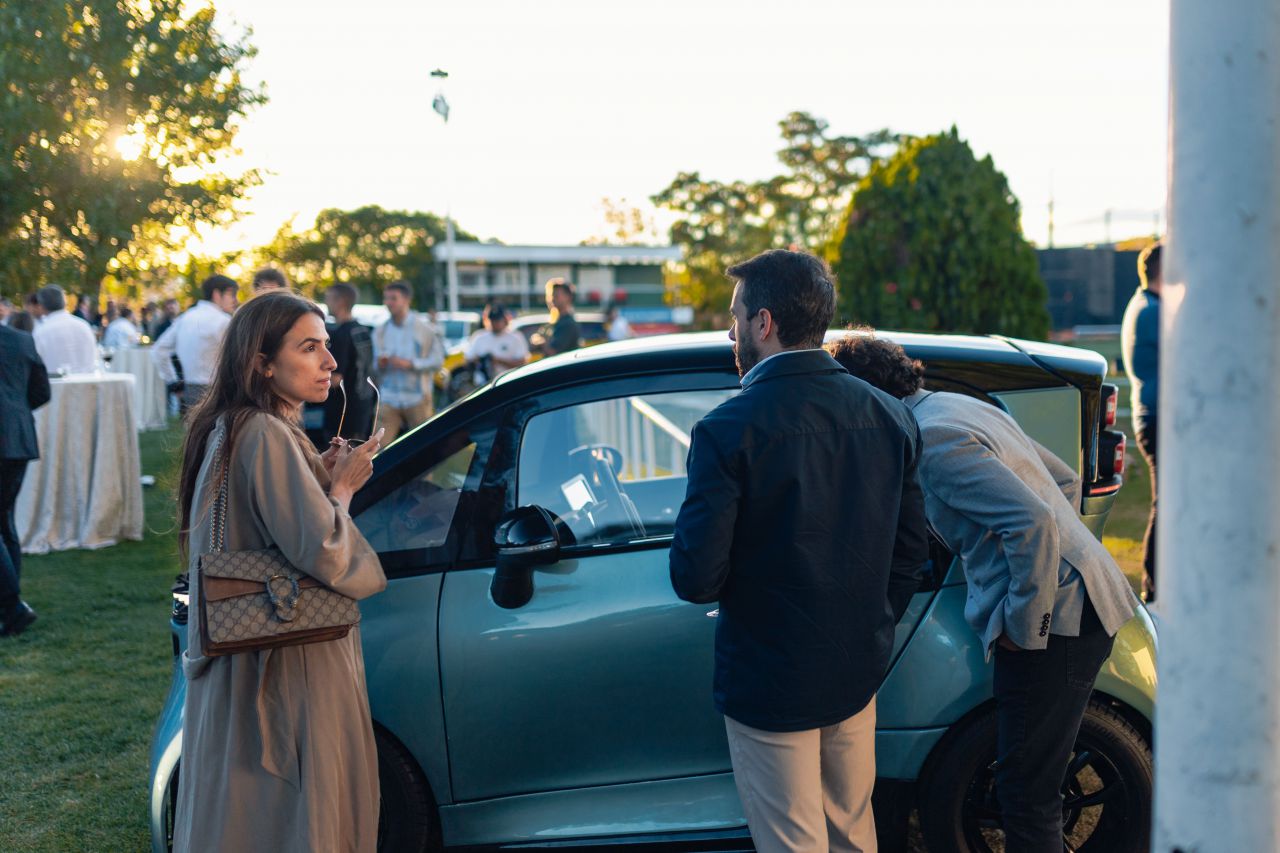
{"type": "Point", "coordinates": [256, 600]}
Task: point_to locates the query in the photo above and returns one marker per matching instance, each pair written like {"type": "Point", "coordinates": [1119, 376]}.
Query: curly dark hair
{"type": "Point", "coordinates": [878, 362]}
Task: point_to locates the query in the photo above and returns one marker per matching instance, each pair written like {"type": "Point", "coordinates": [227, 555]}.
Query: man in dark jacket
{"type": "Point", "coordinates": [24, 386]}
{"type": "Point", "coordinates": [563, 333]}
{"type": "Point", "coordinates": [804, 519]}
{"type": "Point", "coordinates": [1140, 343]}
{"type": "Point", "coordinates": [352, 346]}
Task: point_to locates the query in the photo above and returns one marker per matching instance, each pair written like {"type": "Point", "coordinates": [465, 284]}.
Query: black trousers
{"type": "Point", "coordinates": [1041, 697]}
{"type": "Point", "coordinates": [11, 473]}
{"type": "Point", "coordinates": [1145, 433]}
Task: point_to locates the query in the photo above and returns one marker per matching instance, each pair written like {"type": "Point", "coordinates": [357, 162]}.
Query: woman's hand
{"type": "Point", "coordinates": [337, 447]}
{"type": "Point", "coordinates": [352, 469]}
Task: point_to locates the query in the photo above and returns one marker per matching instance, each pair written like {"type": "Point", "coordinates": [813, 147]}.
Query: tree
{"type": "Point", "coordinates": [114, 115]}
{"type": "Point", "coordinates": [722, 223]}
{"type": "Point", "coordinates": [933, 242]}
{"type": "Point", "coordinates": [623, 224]}
{"type": "Point", "coordinates": [368, 247]}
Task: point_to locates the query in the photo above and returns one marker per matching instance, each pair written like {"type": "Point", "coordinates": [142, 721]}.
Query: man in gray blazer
{"type": "Point", "coordinates": [1043, 591]}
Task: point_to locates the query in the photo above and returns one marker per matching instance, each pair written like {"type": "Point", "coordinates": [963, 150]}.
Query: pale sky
{"type": "Point", "coordinates": [556, 105]}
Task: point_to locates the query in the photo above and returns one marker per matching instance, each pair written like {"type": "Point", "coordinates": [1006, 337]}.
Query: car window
{"type": "Point", "coordinates": [456, 331]}
{"type": "Point", "coordinates": [614, 470]}
{"type": "Point", "coordinates": [419, 513]}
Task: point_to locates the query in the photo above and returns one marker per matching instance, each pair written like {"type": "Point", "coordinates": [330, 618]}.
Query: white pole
{"type": "Point", "coordinates": [452, 263]}
{"type": "Point", "coordinates": [441, 106]}
{"type": "Point", "coordinates": [1218, 712]}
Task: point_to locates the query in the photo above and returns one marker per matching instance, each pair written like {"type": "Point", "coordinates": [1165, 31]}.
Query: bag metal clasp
{"type": "Point", "coordinates": [283, 591]}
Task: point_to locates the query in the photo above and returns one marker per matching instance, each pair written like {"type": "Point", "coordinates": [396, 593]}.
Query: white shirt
{"type": "Point", "coordinates": [417, 340]}
{"type": "Point", "coordinates": [508, 346]}
{"type": "Point", "coordinates": [64, 341]}
{"type": "Point", "coordinates": [195, 337]}
{"type": "Point", "coordinates": [120, 334]}
{"type": "Point", "coordinates": [620, 329]}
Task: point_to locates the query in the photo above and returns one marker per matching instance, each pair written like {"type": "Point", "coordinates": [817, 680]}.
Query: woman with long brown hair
{"type": "Point", "coordinates": [277, 745]}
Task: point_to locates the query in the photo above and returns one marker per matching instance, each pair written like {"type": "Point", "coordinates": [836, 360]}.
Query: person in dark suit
{"type": "Point", "coordinates": [24, 386]}
{"type": "Point", "coordinates": [804, 520]}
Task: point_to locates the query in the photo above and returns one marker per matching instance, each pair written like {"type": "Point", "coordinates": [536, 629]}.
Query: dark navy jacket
{"type": "Point", "coordinates": [24, 385]}
{"type": "Point", "coordinates": [1140, 345]}
{"type": "Point", "coordinates": [805, 520]}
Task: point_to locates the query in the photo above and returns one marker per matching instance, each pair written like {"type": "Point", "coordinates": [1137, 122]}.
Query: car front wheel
{"type": "Point", "coordinates": [1106, 793]}
{"type": "Point", "coordinates": [406, 810]}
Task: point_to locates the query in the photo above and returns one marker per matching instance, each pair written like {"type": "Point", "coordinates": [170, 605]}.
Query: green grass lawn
{"type": "Point", "coordinates": [81, 689]}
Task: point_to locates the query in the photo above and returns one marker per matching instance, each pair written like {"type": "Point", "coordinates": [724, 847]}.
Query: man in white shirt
{"type": "Point", "coordinates": [408, 351]}
{"type": "Point", "coordinates": [65, 342]}
{"type": "Point", "coordinates": [195, 338]}
{"type": "Point", "coordinates": [121, 333]}
{"type": "Point", "coordinates": [619, 328]}
{"type": "Point", "coordinates": [503, 348]}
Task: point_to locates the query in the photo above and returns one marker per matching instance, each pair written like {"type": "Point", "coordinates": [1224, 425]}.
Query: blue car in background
{"type": "Point", "coordinates": [578, 712]}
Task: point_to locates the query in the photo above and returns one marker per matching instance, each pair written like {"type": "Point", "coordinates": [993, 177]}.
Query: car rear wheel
{"type": "Point", "coordinates": [1106, 793]}
{"type": "Point", "coordinates": [407, 820]}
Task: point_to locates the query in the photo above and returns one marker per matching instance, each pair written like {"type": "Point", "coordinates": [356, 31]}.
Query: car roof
{"type": "Point", "coordinates": [971, 359]}
{"type": "Point", "coordinates": [711, 350]}
{"type": "Point", "coordinates": [542, 319]}
{"type": "Point", "coordinates": [378, 312]}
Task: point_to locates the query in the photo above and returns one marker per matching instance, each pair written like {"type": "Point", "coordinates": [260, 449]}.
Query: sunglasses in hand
{"type": "Point", "coordinates": [377, 406]}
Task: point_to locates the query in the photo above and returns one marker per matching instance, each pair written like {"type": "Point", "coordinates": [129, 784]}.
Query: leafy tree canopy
{"type": "Point", "coordinates": [368, 247]}
{"type": "Point", "coordinates": [721, 223]}
{"type": "Point", "coordinates": [114, 115]}
{"type": "Point", "coordinates": [933, 242]}
{"type": "Point", "coordinates": [623, 224]}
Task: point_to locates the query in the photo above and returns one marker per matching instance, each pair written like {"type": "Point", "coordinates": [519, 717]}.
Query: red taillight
{"type": "Point", "coordinates": [1118, 463]}
{"type": "Point", "coordinates": [1109, 419]}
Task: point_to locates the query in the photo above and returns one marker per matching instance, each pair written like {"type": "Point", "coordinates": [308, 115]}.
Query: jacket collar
{"type": "Point", "coordinates": [791, 363]}
{"type": "Point", "coordinates": [913, 400]}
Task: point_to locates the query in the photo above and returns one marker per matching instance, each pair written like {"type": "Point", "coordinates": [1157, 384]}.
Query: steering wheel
{"type": "Point", "coordinates": [601, 463]}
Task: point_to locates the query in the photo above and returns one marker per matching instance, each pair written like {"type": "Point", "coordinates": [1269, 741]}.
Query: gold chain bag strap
{"type": "Point", "coordinates": [256, 600]}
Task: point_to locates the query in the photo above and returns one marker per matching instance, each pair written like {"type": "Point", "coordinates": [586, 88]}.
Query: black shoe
{"type": "Point", "coordinates": [18, 621]}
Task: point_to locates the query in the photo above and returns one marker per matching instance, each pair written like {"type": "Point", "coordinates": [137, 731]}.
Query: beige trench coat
{"type": "Point", "coordinates": [277, 746]}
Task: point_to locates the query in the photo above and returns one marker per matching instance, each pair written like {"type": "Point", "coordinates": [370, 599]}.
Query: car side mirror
{"type": "Point", "coordinates": [527, 537]}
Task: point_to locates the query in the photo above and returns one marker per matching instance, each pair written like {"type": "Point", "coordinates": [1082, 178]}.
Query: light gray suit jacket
{"type": "Point", "coordinates": [1008, 508]}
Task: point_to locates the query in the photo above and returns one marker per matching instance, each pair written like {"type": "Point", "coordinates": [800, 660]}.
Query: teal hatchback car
{"type": "Point", "coordinates": [535, 682]}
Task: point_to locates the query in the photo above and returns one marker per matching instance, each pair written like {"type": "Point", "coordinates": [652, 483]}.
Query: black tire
{"type": "Point", "coordinates": [1107, 805]}
{"type": "Point", "coordinates": [407, 820]}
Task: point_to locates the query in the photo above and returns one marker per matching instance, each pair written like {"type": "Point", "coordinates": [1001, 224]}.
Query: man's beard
{"type": "Point", "coordinates": [745, 355]}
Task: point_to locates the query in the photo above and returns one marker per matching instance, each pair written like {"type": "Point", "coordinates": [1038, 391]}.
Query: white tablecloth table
{"type": "Point", "coordinates": [150, 398]}
{"type": "Point", "coordinates": [84, 490]}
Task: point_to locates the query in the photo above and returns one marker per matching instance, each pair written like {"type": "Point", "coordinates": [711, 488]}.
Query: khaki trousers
{"type": "Point", "coordinates": [403, 419]}
{"type": "Point", "coordinates": [808, 791]}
